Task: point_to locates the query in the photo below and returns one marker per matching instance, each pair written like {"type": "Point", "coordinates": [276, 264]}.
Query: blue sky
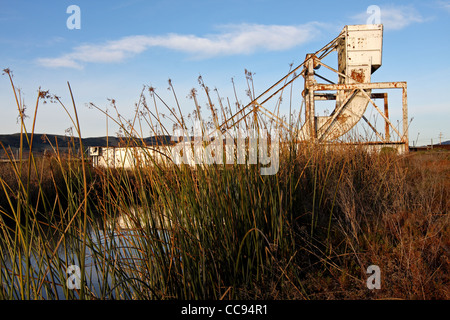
{"type": "Point", "coordinates": [123, 45]}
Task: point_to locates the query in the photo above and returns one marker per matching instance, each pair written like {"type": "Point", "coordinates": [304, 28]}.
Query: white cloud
{"type": "Point", "coordinates": [444, 5]}
{"type": "Point", "coordinates": [394, 17]}
{"type": "Point", "coordinates": [233, 40]}
{"type": "Point", "coordinates": [63, 61]}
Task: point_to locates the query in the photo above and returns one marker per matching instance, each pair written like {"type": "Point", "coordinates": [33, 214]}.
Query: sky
{"type": "Point", "coordinates": [112, 49]}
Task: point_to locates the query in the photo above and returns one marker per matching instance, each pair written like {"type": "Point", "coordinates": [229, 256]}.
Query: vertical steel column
{"type": "Point", "coordinates": [405, 118]}
{"type": "Point", "coordinates": [310, 112]}
{"type": "Point", "coordinates": [386, 113]}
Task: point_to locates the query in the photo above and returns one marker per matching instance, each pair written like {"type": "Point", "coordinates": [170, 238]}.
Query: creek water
{"type": "Point", "coordinates": [112, 256]}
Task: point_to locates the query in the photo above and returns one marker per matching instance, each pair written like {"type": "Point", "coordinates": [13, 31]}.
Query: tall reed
{"type": "Point", "coordinates": [167, 231]}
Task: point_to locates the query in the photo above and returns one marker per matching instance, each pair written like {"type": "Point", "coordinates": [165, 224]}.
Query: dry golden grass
{"type": "Point", "coordinates": [393, 213]}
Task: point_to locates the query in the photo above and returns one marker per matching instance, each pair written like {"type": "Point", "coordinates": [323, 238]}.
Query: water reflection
{"type": "Point", "coordinates": [117, 259]}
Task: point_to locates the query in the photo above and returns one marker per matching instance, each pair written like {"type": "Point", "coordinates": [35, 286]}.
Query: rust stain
{"type": "Point", "coordinates": [358, 75]}
{"type": "Point", "coordinates": [342, 119]}
{"type": "Point", "coordinates": [373, 85]}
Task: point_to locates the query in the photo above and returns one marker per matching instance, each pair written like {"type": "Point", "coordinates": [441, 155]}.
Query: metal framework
{"type": "Point", "coordinates": [313, 93]}
{"type": "Point", "coordinates": [360, 45]}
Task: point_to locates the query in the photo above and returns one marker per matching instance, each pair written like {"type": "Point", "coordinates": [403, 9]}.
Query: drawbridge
{"type": "Point", "coordinates": [359, 55]}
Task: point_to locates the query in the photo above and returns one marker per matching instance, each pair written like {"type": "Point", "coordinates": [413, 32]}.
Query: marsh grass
{"type": "Point", "coordinates": [222, 231]}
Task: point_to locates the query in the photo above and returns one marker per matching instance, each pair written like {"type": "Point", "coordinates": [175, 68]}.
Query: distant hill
{"type": "Point", "coordinates": [444, 145]}
{"type": "Point", "coordinates": [41, 142]}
